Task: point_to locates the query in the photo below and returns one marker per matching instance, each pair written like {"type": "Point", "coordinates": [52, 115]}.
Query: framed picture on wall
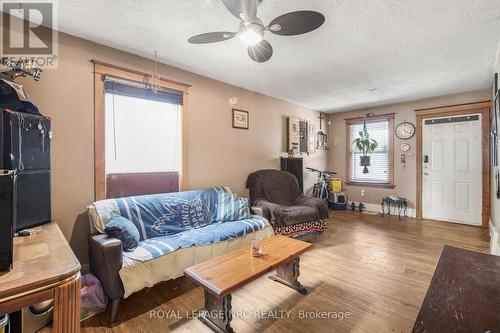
{"type": "Point", "coordinates": [241, 119]}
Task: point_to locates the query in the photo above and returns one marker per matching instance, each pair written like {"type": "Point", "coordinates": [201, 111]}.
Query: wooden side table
{"type": "Point", "coordinates": [44, 268]}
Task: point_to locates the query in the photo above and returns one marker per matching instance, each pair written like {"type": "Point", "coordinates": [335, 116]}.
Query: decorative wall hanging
{"type": "Point", "coordinates": [321, 137]}
{"type": "Point", "coordinates": [301, 137]}
{"type": "Point", "coordinates": [403, 160]}
{"type": "Point", "coordinates": [321, 140]}
{"type": "Point", "coordinates": [304, 136]}
{"type": "Point", "coordinates": [312, 139]}
{"type": "Point", "coordinates": [241, 119]}
{"type": "Point", "coordinates": [404, 148]}
{"type": "Point", "coordinates": [155, 79]}
{"type": "Point", "coordinates": [297, 136]}
{"type": "Point", "coordinates": [293, 136]}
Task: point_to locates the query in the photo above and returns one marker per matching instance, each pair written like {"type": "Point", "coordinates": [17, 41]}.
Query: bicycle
{"type": "Point", "coordinates": [320, 189]}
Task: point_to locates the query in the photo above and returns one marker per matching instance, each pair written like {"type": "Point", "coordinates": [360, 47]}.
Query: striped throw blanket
{"type": "Point", "coordinates": [214, 233]}
{"type": "Point", "coordinates": [170, 221]}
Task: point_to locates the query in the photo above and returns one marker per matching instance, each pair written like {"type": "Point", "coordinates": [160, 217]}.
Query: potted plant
{"type": "Point", "coordinates": [365, 145]}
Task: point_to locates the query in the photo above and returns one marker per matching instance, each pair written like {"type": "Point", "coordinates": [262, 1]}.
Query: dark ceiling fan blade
{"type": "Point", "coordinates": [211, 37]}
{"type": "Point", "coordinates": [243, 9]}
{"type": "Point", "coordinates": [260, 52]}
{"type": "Point", "coordinates": [296, 23]}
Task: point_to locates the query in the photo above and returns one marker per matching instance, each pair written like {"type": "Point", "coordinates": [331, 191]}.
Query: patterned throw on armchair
{"type": "Point", "coordinates": [276, 195]}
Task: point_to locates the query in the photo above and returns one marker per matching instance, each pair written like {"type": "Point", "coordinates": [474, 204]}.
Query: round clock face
{"type": "Point", "coordinates": [405, 147]}
{"type": "Point", "coordinates": [405, 130]}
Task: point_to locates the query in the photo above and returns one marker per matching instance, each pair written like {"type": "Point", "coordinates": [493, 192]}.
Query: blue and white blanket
{"type": "Point", "coordinates": [211, 234]}
{"type": "Point", "coordinates": [170, 221]}
{"type": "Point", "coordinates": [168, 214]}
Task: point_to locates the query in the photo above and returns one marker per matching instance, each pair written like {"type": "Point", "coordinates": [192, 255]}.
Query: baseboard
{"type": "Point", "coordinates": [494, 246]}
{"type": "Point", "coordinates": [494, 234]}
{"type": "Point", "coordinates": [377, 208]}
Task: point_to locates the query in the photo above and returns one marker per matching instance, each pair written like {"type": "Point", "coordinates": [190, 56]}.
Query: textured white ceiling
{"type": "Point", "coordinates": [406, 49]}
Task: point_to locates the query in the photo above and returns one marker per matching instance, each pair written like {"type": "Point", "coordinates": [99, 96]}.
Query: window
{"type": "Point", "coordinates": [142, 139]}
{"type": "Point", "coordinates": [142, 130]}
{"type": "Point", "coordinates": [380, 171]}
{"type": "Point", "coordinates": [140, 144]}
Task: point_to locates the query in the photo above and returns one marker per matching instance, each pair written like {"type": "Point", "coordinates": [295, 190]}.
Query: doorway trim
{"type": "Point", "coordinates": [482, 108]}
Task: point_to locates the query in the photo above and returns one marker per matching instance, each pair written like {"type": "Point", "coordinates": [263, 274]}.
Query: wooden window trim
{"type": "Point", "coordinates": [374, 185]}
{"type": "Point", "coordinates": [102, 69]}
{"type": "Point", "coordinates": [360, 120]}
{"type": "Point", "coordinates": [377, 117]}
{"type": "Point", "coordinates": [450, 110]}
{"type": "Point", "coordinates": [482, 108]}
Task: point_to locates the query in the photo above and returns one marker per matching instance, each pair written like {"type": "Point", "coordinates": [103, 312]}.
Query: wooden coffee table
{"type": "Point", "coordinates": [224, 274]}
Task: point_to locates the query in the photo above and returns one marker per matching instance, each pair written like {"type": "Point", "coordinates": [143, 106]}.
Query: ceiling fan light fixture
{"type": "Point", "coordinates": [251, 34]}
{"type": "Point", "coordinates": [275, 27]}
{"type": "Point", "coordinates": [252, 29]}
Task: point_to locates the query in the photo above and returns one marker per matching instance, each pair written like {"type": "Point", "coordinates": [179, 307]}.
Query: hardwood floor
{"type": "Point", "coordinates": [376, 269]}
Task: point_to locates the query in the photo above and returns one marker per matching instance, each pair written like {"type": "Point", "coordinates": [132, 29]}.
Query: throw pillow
{"type": "Point", "coordinates": [123, 229]}
{"type": "Point", "coordinates": [233, 208]}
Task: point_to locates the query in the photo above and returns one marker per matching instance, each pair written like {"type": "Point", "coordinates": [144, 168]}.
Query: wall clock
{"type": "Point", "coordinates": [405, 130]}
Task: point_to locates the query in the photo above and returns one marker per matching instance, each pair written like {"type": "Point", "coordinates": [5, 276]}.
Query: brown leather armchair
{"type": "Point", "coordinates": [106, 256]}
{"type": "Point", "coordinates": [276, 195]}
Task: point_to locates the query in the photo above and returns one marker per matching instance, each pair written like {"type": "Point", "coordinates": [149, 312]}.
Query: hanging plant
{"type": "Point", "coordinates": [365, 145]}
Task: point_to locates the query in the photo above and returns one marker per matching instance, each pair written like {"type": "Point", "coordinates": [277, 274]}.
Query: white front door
{"type": "Point", "coordinates": [452, 169]}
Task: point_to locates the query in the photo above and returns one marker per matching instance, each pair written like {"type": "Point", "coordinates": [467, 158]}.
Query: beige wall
{"type": "Point", "coordinates": [404, 178]}
{"type": "Point", "coordinates": [218, 154]}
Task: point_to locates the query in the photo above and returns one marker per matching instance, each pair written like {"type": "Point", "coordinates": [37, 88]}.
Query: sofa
{"type": "Point", "coordinates": [276, 196]}
{"type": "Point", "coordinates": [177, 230]}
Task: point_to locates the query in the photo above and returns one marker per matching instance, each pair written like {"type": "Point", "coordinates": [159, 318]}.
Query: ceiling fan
{"type": "Point", "coordinates": [252, 29]}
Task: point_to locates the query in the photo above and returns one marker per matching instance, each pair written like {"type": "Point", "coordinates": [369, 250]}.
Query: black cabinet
{"type": "Point", "coordinates": [8, 217]}
{"type": "Point", "coordinates": [33, 198]}
{"type": "Point", "coordinates": [25, 147]}
{"type": "Point", "coordinates": [25, 141]}
{"type": "Point", "coordinates": [294, 165]}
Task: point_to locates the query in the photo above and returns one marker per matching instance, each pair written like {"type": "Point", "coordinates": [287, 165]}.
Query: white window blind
{"type": "Point", "coordinates": [379, 169]}
{"type": "Point", "coordinates": [141, 135]}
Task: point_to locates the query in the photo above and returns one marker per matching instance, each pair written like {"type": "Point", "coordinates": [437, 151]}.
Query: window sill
{"type": "Point", "coordinates": [375, 185]}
